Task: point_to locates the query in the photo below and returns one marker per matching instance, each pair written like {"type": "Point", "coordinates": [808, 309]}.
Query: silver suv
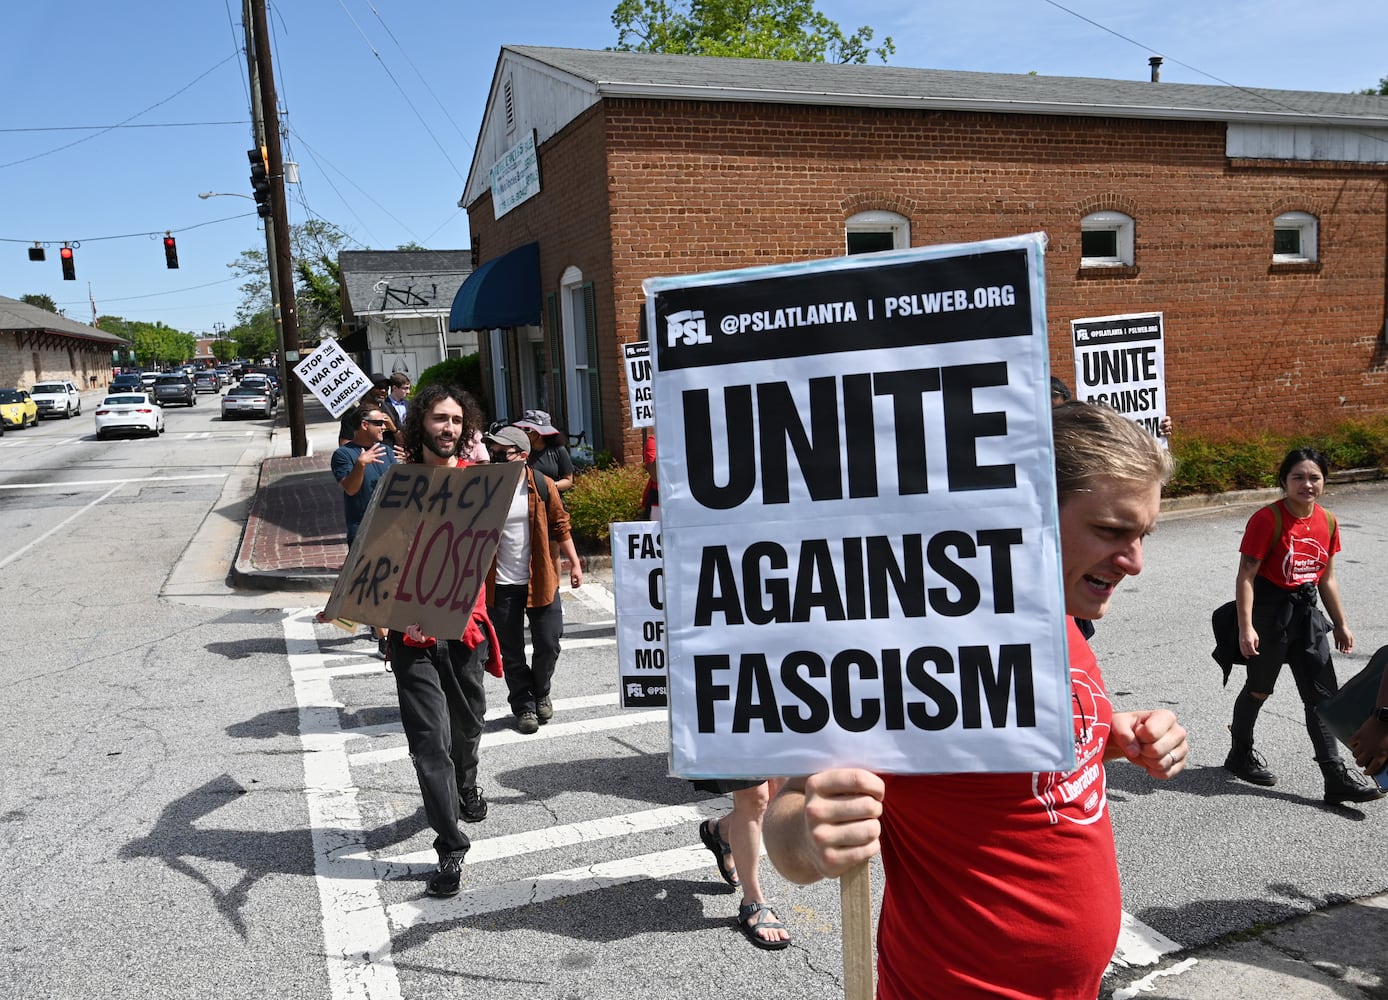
{"type": "Point", "coordinates": [57, 397]}
{"type": "Point", "coordinates": [174, 388]}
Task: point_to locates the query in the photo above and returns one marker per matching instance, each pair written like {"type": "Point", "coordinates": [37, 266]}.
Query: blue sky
{"type": "Point", "coordinates": [383, 100]}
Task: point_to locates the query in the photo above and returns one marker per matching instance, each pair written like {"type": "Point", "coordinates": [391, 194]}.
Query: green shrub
{"type": "Point", "coordinates": [601, 496]}
{"type": "Point", "coordinates": [1205, 465]}
{"type": "Point", "coordinates": [464, 372]}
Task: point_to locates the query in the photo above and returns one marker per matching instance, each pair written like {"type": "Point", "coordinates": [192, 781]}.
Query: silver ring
{"type": "Point", "coordinates": [1172, 755]}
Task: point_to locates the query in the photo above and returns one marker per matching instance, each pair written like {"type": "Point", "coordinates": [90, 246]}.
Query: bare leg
{"type": "Point", "coordinates": [742, 829]}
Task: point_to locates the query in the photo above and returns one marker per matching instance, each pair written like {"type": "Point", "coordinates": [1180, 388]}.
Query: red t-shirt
{"type": "Point", "coordinates": [1004, 885]}
{"type": "Point", "coordinates": [650, 495]}
{"type": "Point", "coordinates": [1302, 552]}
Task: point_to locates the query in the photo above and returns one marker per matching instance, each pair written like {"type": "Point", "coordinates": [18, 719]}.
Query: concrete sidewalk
{"type": "Point", "coordinates": [294, 540]}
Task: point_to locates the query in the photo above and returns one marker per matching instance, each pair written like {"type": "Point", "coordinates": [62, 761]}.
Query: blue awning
{"type": "Point", "coordinates": [503, 292]}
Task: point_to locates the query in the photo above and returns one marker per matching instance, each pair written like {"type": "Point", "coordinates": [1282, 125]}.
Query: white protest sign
{"type": "Point", "coordinates": [638, 358]}
{"type": "Point", "coordinates": [331, 375]}
{"type": "Point", "coordinates": [638, 589]}
{"type": "Point", "coordinates": [859, 523]}
{"type": "Point", "coordinates": [1120, 361]}
{"type": "Point", "coordinates": [423, 550]}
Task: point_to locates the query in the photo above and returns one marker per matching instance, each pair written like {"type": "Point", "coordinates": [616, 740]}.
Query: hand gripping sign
{"type": "Point", "coordinates": [423, 550]}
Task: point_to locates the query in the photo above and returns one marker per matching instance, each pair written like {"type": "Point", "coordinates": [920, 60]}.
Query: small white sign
{"type": "Point", "coordinates": [515, 177]}
{"type": "Point", "coordinates": [638, 586]}
{"type": "Point", "coordinates": [331, 375]}
{"type": "Point", "coordinates": [638, 357]}
{"type": "Point", "coordinates": [1120, 361]}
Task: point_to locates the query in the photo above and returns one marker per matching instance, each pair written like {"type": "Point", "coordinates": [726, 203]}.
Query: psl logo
{"type": "Point", "coordinates": [686, 327]}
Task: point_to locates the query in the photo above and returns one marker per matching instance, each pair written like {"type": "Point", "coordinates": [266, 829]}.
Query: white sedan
{"type": "Point", "coordinates": [128, 413]}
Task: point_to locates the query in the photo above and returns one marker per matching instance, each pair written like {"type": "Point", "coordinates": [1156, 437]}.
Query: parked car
{"type": "Point", "coordinates": [18, 409]}
{"type": "Point", "coordinates": [242, 400]}
{"type": "Point", "coordinates": [175, 389]}
{"type": "Point", "coordinates": [225, 375]}
{"type": "Point", "coordinates": [207, 381]}
{"type": "Point", "coordinates": [129, 382]}
{"type": "Point", "coordinates": [57, 397]}
{"type": "Point", "coordinates": [264, 383]}
{"type": "Point", "coordinates": [128, 413]}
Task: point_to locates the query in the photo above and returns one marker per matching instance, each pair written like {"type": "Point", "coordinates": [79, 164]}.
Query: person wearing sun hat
{"type": "Point", "coordinates": [548, 451]}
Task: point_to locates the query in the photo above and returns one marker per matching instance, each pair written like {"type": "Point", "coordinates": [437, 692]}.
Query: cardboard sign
{"type": "Point", "coordinates": [638, 358]}
{"type": "Point", "coordinates": [638, 587]}
{"type": "Point", "coordinates": [859, 523]}
{"type": "Point", "coordinates": [1120, 361]}
{"type": "Point", "coordinates": [331, 375]}
{"type": "Point", "coordinates": [423, 550]}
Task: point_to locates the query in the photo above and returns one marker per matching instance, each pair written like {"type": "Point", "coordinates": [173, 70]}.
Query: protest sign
{"type": "Point", "coordinates": [331, 375]}
{"type": "Point", "coordinates": [638, 357]}
{"type": "Point", "coordinates": [859, 521]}
{"type": "Point", "coordinates": [638, 591]}
{"type": "Point", "coordinates": [424, 547]}
{"type": "Point", "coordinates": [1120, 361]}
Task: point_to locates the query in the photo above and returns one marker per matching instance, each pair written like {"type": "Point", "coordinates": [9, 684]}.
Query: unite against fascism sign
{"type": "Point", "coordinates": [1120, 361]}
{"type": "Point", "coordinates": [638, 360]}
{"type": "Point", "coordinates": [638, 586]}
{"type": "Point", "coordinates": [858, 515]}
{"type": "Point", "coordinates": [424, 547]}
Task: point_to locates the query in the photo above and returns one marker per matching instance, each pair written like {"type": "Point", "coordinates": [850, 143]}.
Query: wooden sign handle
{"type": "Point", "coordinates": [855, 909]}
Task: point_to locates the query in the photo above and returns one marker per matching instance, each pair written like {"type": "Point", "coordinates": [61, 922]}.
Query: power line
{"type": "Point", "coordinates": [443, 107]}
{"type": "Point", "coordinates": [109, 128]}
{"type": "Point", "coordinates": [128, 236]}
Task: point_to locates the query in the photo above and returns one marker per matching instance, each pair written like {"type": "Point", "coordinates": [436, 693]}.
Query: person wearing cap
{"type": "Point", "coordinates": [523, 583]}
{"type": "Point", "coordinates": [548, 452]}
{"type": "Point", "coordinates": [376, 396]}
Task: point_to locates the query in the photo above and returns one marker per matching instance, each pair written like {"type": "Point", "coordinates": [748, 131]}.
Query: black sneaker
{"type": "Point", "coordinates": [383, 648]}
{"type": "Point", "coordinates": [1344, 785]}
{"type": "Point", "coordinates": [1248, 764]}
{"type": "Point", "coordinates": [528, 723]}
{"type": "Point", "coordinates": [448, 878]}
{"type": "Point", "coordinates": [472, 805]}
{"type": "Point", "coordinates": [544, 710]}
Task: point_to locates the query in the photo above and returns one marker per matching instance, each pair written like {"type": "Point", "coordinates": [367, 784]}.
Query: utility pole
{"type": "Point", "coordinates": [265, 111]}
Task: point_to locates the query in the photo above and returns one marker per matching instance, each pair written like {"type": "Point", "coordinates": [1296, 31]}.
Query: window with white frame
{"type": "Point", "coordinates": [867, 232]}
{"type": "Point", "coordinates": [1106, 240]}
{"type": "Point", "coordinates": [1294, 238]}
{"type": "Point", "coordinates": [501, 394]}
{"type": "Point", "coordinates": [577, 384]}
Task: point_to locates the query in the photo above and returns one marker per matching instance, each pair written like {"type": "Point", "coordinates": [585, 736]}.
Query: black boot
{"type": "Point", "coordinates": [1344, 785]}
{"type": "Point", "coordinates": [1248, 764]}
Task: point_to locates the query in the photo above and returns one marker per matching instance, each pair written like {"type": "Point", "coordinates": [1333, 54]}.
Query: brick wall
{"type": "Point", "coordinates": [698, 186]}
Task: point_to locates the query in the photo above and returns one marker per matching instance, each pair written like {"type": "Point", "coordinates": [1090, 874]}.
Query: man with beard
{"type": "Point", "coordinates": [439, 681]}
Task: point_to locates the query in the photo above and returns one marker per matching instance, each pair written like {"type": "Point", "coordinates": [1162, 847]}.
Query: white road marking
{"type": "Point", "coordinates": [1139, 944]}
{"type": "Point", "coordinates": [111, 482]}
{"type": "Point", "coordinates": [356, 936]}
{"type": "Point", "coordinates": [60, 525]}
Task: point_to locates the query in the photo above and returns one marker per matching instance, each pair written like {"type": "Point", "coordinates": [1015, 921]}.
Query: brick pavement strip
{"type": "Point", "coordinates": [296, 518]}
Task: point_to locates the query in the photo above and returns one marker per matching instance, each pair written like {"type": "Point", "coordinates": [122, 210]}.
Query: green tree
{"type": "Point", "coordinates": [157, 344]}
{"type": "Point", "coordinates": [40, 300]}
{"type": "Point", "coordinates": [256, 338]}
{"type": "Point", "coordinates": [793, 30]}
{"type": "Point", "coordinates": [224, 350]}
{"type": "Point", "coordinates": [1380, 91]}
{"type": "Point", "coordinates": [314, 245]}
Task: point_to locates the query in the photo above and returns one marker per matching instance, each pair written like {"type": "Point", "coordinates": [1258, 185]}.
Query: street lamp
{"type": "Point", "coordinates": [204, 195]}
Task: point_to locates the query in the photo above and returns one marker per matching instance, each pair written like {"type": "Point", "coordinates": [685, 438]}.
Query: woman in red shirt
{"type": "Point", "coordinates": [1286, 560]}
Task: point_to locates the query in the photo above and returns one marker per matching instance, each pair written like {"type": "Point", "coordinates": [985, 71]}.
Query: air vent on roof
{"type": "Point", "coordinates": [1155, 63]}
{"type": "Point", "coordinates": [510, 108]}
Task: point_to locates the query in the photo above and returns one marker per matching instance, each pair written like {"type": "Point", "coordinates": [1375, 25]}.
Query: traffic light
{"type": "Point", "coordinates": [170, 252]}
{"type": "Point", "coordinates": [69, 265]}
{"type": "Point", "coordinates": [36, 252]}
{"type": "Point", "coordinates": [260, 183]}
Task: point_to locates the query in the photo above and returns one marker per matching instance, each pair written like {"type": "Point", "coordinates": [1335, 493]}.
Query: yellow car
{"type": "Point", "coordinates": [18, 409]}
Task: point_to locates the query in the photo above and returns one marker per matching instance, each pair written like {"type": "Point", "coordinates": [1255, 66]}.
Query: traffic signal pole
{"type": "Point", "coordinates": [279, 253]}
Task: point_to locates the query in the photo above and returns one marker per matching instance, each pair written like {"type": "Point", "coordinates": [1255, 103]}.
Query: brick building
{"type": "Point", "coordinates": [37, 345]}
{"type": "Point", "coordinates": [1256, 221]}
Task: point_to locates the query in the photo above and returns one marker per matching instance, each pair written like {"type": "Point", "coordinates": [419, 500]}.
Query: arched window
{"type": "Point", "coordinates": [1106, 240]}
{"type": "Point", "coordinates": [866, 232]}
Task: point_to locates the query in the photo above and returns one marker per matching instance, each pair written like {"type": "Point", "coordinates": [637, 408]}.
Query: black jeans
{"type": "Point", "coordinates": [442, 707]}
{"type": "Point", "coordinates": [527, 683]}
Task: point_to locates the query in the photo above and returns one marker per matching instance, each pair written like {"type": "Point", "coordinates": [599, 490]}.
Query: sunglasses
{"type": "Point", "coordinates": [375, 423]}
{"type": "Point", "coordinates": [501, 456]}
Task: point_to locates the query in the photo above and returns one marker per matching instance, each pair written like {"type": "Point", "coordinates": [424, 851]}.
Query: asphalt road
{"type": "Point", "coordinates": [205, 793]}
